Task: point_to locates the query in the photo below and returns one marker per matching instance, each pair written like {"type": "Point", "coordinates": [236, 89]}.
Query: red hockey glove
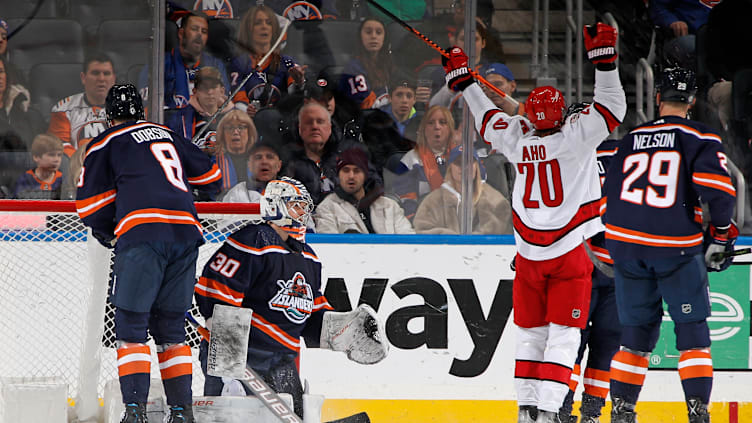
{"type": "Point", "coordinates": [457, 74]}
{"type": "Point", "coordinates": [716, 244]}
{"type": "Point", "coordinates": [600, 43]}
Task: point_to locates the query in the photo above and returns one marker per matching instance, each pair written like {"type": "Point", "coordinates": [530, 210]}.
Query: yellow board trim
{"type": "Point", "coordinates": [467, 411]}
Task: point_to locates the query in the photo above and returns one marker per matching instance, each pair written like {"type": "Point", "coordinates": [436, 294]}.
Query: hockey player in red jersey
{"type": "Point", "coordinates": [555, 207]}
{"type": "Point", "coordinates": [267, 266]}
{"type": "Point", "coordinates": [654, 234]}
{"type": "Point", "coordinates": [135, 193]}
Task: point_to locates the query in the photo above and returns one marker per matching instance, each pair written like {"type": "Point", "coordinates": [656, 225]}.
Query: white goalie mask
{"type": "Point", "coordinates": [286, 203]}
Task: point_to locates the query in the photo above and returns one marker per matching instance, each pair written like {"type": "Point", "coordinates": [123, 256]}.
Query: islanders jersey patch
{"type": "Point", "coordinates": [294, 298]}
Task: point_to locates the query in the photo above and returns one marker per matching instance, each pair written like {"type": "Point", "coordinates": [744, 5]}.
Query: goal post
{"type": "Point", "coordinates": [55, 320]}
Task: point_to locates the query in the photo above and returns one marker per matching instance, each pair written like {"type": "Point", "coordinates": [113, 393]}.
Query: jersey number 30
{"type": "Point", "coordinates": [663, 172]}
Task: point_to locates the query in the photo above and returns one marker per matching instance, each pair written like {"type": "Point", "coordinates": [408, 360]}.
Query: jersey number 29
{"type": "Point", "coordinates": [662, 168]}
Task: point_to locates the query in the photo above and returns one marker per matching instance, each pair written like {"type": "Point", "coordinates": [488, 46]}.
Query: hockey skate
{"type": "Point", "coordinates": [548, 417]}
{"type": "Point", "coordinates": [622, 411]}
{"type": "Point", "coordinates": [527, 414]}
{"type": "Point", "coordinates": [698, 411]}
{"type": "Point", "coordinates": [134, 413]}
{"type": "Point", "coordinates": [588, 419]}
{"type": "Point", "coordinates": [180, 414]}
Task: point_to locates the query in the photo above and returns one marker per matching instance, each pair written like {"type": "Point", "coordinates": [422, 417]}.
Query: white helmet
{"type": "Point", "coordinates": [276, 207]}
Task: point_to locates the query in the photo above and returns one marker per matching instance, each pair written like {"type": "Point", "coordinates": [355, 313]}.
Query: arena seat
{"type": "Point", "coordinates": [126, 41]}
{"type": "Point", "coordinates": [24, 9]}
{"type": "Point", "coordinates": [50, 82]}
{"type": "Point", "coordinates": [89, 13]}
{"type": "Point", "coordinates": [320, 44]}
{"type": "Point", "coordinates": [223, 35]}
{"type": "Point", "coordinates": [46, 41]}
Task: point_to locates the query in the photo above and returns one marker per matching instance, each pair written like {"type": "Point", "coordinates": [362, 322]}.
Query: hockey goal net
{"type": "Point", "coordinates": [55, 320]}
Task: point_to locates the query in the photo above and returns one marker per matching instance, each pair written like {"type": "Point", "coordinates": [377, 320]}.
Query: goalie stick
{"type": "Point", "coordinates": [240, 86]}
{"type": "Point", "coordinates": [266, 394]}
{"type": "Point", "coordinates": [443, 52]}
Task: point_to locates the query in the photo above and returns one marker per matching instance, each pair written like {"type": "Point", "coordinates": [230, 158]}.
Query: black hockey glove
{"type": "Point", "coordinates": [716, 244]}
{"type": "Point", "coordinates": [107, 240]}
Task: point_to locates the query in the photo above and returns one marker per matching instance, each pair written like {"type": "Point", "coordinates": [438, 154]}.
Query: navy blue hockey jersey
{"type": "Point", "coordinates": [136, 184]}
{"type": "Point", "coordinates": [654, 185]}
{"type": "Point", "coordinates": [280, 281]}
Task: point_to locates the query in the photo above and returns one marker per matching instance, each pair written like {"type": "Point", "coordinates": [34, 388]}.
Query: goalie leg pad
{"type": "Point", "coordinates": [358, 333]}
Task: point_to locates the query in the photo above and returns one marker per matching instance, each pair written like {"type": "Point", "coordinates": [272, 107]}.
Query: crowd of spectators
{"type": "Point", "coordinates": [365, 129]}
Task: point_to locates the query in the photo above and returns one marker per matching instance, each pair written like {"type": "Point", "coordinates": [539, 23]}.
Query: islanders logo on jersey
{"type": "Point", "coordinates": [294, 298]}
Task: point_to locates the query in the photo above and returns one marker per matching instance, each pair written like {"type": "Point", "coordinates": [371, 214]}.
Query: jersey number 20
{"type": "Point", "coordinates": [548, 174]}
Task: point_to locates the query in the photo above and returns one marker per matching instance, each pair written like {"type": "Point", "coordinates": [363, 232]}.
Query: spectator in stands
{"type": "Point", "coordinates": [19, 123]}
{"type": "Point", "coordinates": [82, 116]}
{"type": "Point", "coordinates": [679, 19]}
{"type": "Point", "coordinates": [265, 164]}
{"type": "Point", "coordinates": [438, 213]}
{"type": "Point", "coordinates": [208, 95]}
{"type": "Point", "coordinates": [485, 50]}
{"type": "Point", "coordinates": [182, 63]}
{"type": "Point", "coordinates": [258, 31]}
{"type": "Point", "coordinates": [727, 21]}
{"type": "Point", "coordinates": [9, 67]}
{"type": "Point", "coordinates": [402, 97]}
{"type": "Point", "coordinates": [70, 178]}
{"type": "Point", "coordinates": [45, 180]}
{"type": "Point", "coordinates": [422, 169]}
{"type": "Point", "coordinates": [358, 205]}
{"type": "Point", "coordinates": [236, 133]}
{"type": "Point", "coordinates": [366, 77]}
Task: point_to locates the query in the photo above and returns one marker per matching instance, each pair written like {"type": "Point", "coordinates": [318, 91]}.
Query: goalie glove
{"type": "Point", "coordinates": [457, 74]}
{"type": "Point", "coordinates": [600, 43]}
{"type": "Point", "coordinates": [358, 333]}
{"type": "Point", "coordinates": [717, 243]}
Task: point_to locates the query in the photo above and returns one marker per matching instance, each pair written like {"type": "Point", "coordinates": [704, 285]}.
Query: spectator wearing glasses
{"type": "Point", "coordinates": [422, 169]}
{"type": "Point", "coordinates": [236, 133]}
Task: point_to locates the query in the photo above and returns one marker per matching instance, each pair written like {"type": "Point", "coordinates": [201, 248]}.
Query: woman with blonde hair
{"type": "Point", "coordinates": [236, 133]}
{"type": "Point", "coordinates": [439, 211]}
{"type": "Point", "coordinates": [258, 31]}
{"type": "Point", "coordinates": [422, 169]}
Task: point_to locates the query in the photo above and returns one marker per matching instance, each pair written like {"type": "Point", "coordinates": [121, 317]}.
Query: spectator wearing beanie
{"type": "Point", "coordinates": [357, 204]}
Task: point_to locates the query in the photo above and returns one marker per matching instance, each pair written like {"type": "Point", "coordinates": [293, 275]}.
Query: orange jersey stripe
{"type": "Point", "coordinates": [144, 216]}
{"type": "Point", "coordinates": [574, 379]}
{"type": "Point", "coordinates": [636, 237]}
{"type": "Point", "coordinates": [275, 333]}
{"type": "Point", "coordinates": [213, 289]}
{"type": "Point", "coordinates": [89, 206]}
{"type": "Point", "coordinates": [712, 180]}
{"type": "Point", "coordinates": [212, 175]}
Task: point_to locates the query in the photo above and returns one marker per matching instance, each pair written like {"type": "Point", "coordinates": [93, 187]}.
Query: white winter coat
{"type": "Point", "coordinates": [335, 215]}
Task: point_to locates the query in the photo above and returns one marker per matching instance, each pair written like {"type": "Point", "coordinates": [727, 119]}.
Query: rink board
{"type": "Point", "coordinates": [435, 294]}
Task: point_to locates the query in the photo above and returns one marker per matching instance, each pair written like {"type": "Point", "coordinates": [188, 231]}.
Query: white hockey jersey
{"type": "Point", "coordinates": [556, 194]}
{"type": "Point", "coordinates": [74, 120]}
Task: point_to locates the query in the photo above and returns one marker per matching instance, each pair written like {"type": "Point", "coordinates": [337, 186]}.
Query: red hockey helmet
{"type": "Point", "coordinates": [545, 107]}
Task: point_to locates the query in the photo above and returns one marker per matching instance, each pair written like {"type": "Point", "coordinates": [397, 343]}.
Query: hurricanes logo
{"type": "Point", "coordinates": [295, 298]}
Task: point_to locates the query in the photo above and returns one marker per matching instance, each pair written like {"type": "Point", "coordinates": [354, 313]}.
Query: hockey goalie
{"type": "Point", "coordinates": [266, 266]}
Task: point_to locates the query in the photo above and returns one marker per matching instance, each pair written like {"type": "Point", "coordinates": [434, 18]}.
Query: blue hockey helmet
{"type": "Point", "coordinates": [677, 84]}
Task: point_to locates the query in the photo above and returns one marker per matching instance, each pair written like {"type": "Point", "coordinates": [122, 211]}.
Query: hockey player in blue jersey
{"type": "Point", "coordinates": [602, 334]}
{"type": "Point", "coordinates": [267, 266]}
{"type": "Point", "coordinates": [653, 232]}
{"type": "Point", "coordinates": [135, 193]}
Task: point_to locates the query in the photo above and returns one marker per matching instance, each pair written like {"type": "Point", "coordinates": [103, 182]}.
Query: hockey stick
{"type": "Point", "coordinates": [443, 52]}
{"type": "Point", "coordinates": [240, 86]}
{"type": "Point", "coordinates": [726, 254]}
{"type": "Point", "coordinates": [266, 394]}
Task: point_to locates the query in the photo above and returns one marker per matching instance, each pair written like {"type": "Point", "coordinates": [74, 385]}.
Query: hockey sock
{"type": "Point", "coordinates": [574, 380]}
{"type": "Point", "coordinates": [556, 370]}
{"type": "Point", "coordinates": [628, 370]}
{"type": "Point", "coordinates": [591, 405]}
{"type": "Point", "coordinates": [566, 407]}
{"type": "Point", "coordinates": [528, 358]}
{"type": "Point", "coordinates": [177, 372]}
{"type": "Point", "coordinates": [597, 382]}
{"type": "Point", "coordinates": [696, 373]}
{"type": "Point", "coordinates": [134, 368]}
